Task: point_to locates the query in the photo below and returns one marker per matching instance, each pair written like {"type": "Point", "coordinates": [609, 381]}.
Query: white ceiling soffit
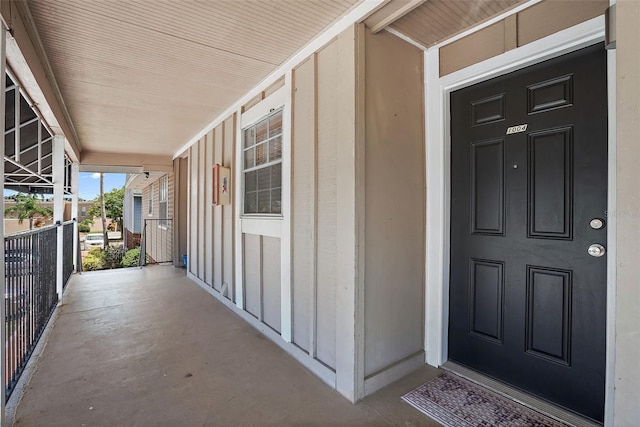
{"type": "Point", "coordinates": [142, 180]}
{"type": "Point", "coordinates": [144, 76]}
{"type": "Point", "coordinates": [110, 169]}
{"type": "Point", "coordinates": [432, 21]}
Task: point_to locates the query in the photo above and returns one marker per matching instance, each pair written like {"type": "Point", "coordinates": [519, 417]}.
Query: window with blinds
{"type": "Point", "coordinates": [262, 166]}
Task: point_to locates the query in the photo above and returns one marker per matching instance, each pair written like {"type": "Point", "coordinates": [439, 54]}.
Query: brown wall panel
{"type": "Point", "coordinates": [271, 292]}
{"type": "Point", "coordinates": [474, 48]}
{"type": "Point", "coordinates": [394, 201]}
{"type": "Point", "coordinates": [303, 188]}
{"type": "Point", "coordinates": [531, 24]}
{"type": "Point", "coordinates": [253, 274]}
{"type": "Point", "coordinates": [328, 110]}
{"type": "Point", "coordinates": [550, 17]}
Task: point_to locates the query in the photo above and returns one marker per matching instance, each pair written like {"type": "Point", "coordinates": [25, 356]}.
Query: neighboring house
{"type": "Point", "coordinates": [148, 214]}
{"type": "Point", "coordinates": [13, 226]}
{"type": "Point", "coordinates": [83, 208]}
{"type": "Point", "coordinates": [132, 215]}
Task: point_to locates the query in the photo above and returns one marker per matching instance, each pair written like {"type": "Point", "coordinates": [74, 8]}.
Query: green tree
{"type": "Point", "coordinates": [113, 201]}
{"type": "Point", "coordinates": [28, 207]}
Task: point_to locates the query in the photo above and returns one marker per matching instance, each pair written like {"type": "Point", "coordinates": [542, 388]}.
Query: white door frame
{"type": "Point", "coordinates": [438, 156]}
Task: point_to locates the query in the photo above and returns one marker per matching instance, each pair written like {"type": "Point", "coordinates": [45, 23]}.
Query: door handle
{"type": "Point", "coordinates": [596, 250]}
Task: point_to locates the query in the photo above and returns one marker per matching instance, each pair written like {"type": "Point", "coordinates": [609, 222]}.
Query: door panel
{"type": "Point", "coordinates": [487, 197]}
{"type": "Point", "coordinates": [528, 173]}
{"type": "Point", "coordinates": [550, 173]}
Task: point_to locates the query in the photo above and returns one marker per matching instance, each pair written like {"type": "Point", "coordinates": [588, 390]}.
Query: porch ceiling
{"type": "Point", "coordinates": [145, 76]}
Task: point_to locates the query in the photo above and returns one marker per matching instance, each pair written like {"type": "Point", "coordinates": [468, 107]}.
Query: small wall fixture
{"type": "Point", "coordinates": [146, 175]}
{"type": "Point", "coordinates": [221, 185]}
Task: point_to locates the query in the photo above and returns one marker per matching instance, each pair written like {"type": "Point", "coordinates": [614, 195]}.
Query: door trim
{"type": "Point", "coordinates": [438, 157]}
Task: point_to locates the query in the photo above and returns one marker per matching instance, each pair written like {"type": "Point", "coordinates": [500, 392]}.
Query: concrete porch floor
{"type": "Point", "coordinates": [148, 347]}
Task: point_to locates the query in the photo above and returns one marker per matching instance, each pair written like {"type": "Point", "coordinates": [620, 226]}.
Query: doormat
{"type": "Point", "coordinates": [456, 402]}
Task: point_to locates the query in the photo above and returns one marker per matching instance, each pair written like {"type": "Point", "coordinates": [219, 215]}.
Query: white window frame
{"type": "Point", "coordinates": [163, 198]}
{"type": "Point", "coordinates": [270, 225]}
{"type": "Point", "coordinates": [272, 112]}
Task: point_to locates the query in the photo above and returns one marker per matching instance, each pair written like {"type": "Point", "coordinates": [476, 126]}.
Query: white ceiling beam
{"type": "Point", "coordinates": [394, 14]}
{"type": "Point", "coordinates": [93, 161]}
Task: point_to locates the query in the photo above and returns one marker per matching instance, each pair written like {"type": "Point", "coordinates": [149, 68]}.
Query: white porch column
{"type": "Point", "coordinates": [3, 331]}
{"type": "Point", "coordinates": [58, 205]}
{"type": "Point", "coordinates": [75, 179]}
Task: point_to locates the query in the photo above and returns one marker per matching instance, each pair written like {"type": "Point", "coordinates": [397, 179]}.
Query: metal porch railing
{"type": "Point", "coordinates": [67, 254]}
{"type": "Point", "coordinates": [30, 291]}
{"type": "Point", "coordinates": [156, 245]}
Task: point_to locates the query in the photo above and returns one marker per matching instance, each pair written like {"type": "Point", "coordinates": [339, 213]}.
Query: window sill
{"type": "Point", "coordinates": [262, 225]}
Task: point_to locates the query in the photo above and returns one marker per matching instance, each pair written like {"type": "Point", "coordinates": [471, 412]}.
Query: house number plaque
{"type": "Point", "coordinates": [517, 129]}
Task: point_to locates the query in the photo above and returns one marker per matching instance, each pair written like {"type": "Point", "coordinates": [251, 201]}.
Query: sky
{"type": "Point", "coordinates": [89, 187]}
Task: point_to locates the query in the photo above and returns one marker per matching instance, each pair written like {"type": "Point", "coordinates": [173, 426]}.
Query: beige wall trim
{"type": "Point", "coordinates": [438, 138]}
{"type": "Point", "coordinates": [360, 220]}
{"type": "Point", "coordinates": [382, 378]}
{"type": "Point", "coordinates": [91, 159]}
{"type": "Point", "coordinates": [286, 303]}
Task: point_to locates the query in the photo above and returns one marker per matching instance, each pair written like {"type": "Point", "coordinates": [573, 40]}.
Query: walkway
{"type": "Point", "coordinates": [148, 347]}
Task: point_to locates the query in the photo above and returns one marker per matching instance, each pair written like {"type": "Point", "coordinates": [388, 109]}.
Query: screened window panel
{"type": "Point", "coordinates": [26, 113]}
{"type": "Point", "coordinates": [10, 109]}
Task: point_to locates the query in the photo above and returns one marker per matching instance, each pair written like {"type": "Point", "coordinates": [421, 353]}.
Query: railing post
{"type": "Point", "coordinates": [143, 249]}
{"type": "Point", "coordinates": [58, 207]}
{"type": "Point", "coordinates": [3, 330]}
{"type": "Point", "coordinates": [75, 177]}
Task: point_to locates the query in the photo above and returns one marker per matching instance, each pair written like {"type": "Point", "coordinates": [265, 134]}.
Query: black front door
{"type": "Point", "coordinates": [528, 199]}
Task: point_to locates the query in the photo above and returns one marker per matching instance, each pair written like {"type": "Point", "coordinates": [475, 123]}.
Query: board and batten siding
{"type": "Point", "coordinates": [210, 228]}
{"type": "Point", "coordinates": [395, 196]}
{"type": "Point", "coordinates": [323, 120]}
{"type": "Point", "coordinates": [309, 279]}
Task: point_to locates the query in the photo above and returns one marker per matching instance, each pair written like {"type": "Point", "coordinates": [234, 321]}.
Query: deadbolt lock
{"type": "Point", "coordinates": [596, 223]}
